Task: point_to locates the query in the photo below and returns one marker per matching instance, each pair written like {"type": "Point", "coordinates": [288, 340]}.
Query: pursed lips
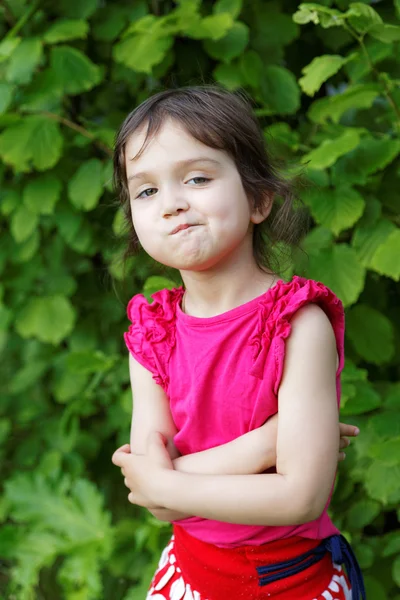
{"type": "Point", "coordinates": [182, 227]}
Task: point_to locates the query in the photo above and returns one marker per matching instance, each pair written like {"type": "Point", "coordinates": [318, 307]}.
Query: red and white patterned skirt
{"type": "Point", "coordinates": [190, 569]}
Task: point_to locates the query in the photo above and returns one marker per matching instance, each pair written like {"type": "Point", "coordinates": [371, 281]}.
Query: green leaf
{"type": "Point", "coordinates": [385, 33]}
{"type": "Point", "coordinates": [386, 258]}
{"type": "Point", "coordinates": [360, 65]}
{"type": "Point", "coordinates": [388, 452]}
{"type": "Point", "coordinates": [279, 91]}
{"type": "Point", "coordinates": [251, 67]}
{"type": "Point", "coordinates": [66, 29]}
{"type": "Point", "coordinates": [362, 513]}
{"type": "Point", "coordinates": [337, 209]}
{"type": "Point", "coordinates": [230, 46]}
{"type": "Point", "coordinates": [89, 362]}
{"type": "Point", "coordinates": [34, 139]}
{"type": "Point", "coordinates": [42, 194]}
{"type": "Point", "coordinates": [333, 107]}
{"type": "Point", "coordinates": [6, 96]}
{"type": "Point", "coordinates": [143, 51]}
{"type": "Point", "coordinates": [7, 47]}
{"type": "Point", "coordinates": [86, 186]}
{"type": "Point", "coordinates": [340, 270]}
{"type": "Point", "coordinates": [119, 225]}
{"type": "Point", "coordinates": [49, 319]}
{"type": "Point", "coordinates": [392, 545]}
{"type": "Point", "coordinates": [331, 149]}
{"type": "Point", "coordinates": [317, 239]}
{"type": "Point", "coordinates": [319, 15]}
{"type": "Point", "coordinates": [359, 398]}
{"type": "Point", "coordinates": [24, 60]}
{"type": "Point", "coordinates": [23, 223]}
{"type": "Point", "coordinates": [78, 9]}
{"type": "Point", "coordinates": [156, 283]}
{"type": "Point", "coordinates": [112, 20]}
{"type": "Point", "coordinates": [367, 240]}
{"type": "Point", "coordinates": [273, 28]}
{"type": "Point", "coordinates": [214, 27]}
{"type": "Point", "coordinates": [74, 72]}
{"type": "Point", "coordinates": [396, 571]}
{"type": "Point", "coordinates": [233, 7]}
{"type": "Point", "coordinates": [319, 70]}
{"type": "Point", "coordinates": [80, 574]}
{"type": "Point", "coordinates": [27, 249]}
{"type": "Point", "coordinates": [372, 154]}
{"type": "Point", "coordinates": [28, 376]}
{"type": "Point", "coordinates": [382, 482]}
{"type": "Point", "coordinates": [362, 17]}
{"type": "Point", "coordinates": [371, 333]}
{"type": "Point", "coordinates": [228, 75]}
{"type": "Point", "coordinates": [9, 201]}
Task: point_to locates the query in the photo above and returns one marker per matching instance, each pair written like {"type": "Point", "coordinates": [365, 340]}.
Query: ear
{"type": "Point", "coordinates": [258, 216]}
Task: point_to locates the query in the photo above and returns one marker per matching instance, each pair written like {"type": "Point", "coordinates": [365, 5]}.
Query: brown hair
{"type": "Point", "coordinates": [225, 121]}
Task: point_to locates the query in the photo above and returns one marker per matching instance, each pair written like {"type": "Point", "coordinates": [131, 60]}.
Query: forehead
{"type": "Point", "coordinates": [172, 143]}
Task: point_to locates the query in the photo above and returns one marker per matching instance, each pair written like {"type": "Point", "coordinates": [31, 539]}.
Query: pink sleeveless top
{"type": "Point", "coordinates": [222, 375]}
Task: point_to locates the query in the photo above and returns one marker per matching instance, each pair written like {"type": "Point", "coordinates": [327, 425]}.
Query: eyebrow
{"type": "Point", "coordinates": [179, 164]}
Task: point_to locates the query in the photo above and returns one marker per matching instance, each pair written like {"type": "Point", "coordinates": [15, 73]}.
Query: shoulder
{"type": "Point", "coordinates": [161, 309]}
{"type": "Point", "coordinates": [300, 309]}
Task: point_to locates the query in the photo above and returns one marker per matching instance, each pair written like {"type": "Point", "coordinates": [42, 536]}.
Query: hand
{"type": "Point", "coordinates": [142, 472]}
{"type": "Point", "coordinates": [346, 431]}
{"type": "Point", "coordinates": [269, 430]}
{"type": "Point", "coordinates": [164, 514]}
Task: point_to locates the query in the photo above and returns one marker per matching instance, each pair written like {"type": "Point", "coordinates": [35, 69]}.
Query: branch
{"type": "Point", "coordinates": [79, 129]}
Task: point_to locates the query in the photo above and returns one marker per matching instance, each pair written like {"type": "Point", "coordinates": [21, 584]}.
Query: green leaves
{"type": "Point", "coordinates": [86, 186]}
{"type": "Point", "coordinates": [279, 91]}
{"type": "Point", "coordinates": [354, 97]}
{"type": "Point", "coordinates": [24, 60]}
{"type": "Point", "coordinates": [331, 149]}
{"type": "Point", "coordinates": [337, 208]}
{"type": "Point", "coordinates": [23, 223]}
{"type": "Point", "coordinates": [230, 46]}
{"type": "Point", "coordinates": [371, 334]}
{"type": "Point", "coordinates": [71, 72]}
{"type": "Point", "coordinates": [75, 73]}
{"type": "Point", "coordinates": [33, 141]}
{"type": "Point", "coordinates": [141, 52]}
{"type": "Point", "coordinates": [49, 319]}
{"type": "Point", "coordinates": [42, 194]}
{"type": "Point", "coordinates": [66, 29]}
{"type": "Point", "coordinates": [319, 70]}
{"type": "Point", "coordinates": [340, 270]}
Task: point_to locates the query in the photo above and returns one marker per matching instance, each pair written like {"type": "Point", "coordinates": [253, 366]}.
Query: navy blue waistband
{"type": "Point", "coordinates": [342, 554]}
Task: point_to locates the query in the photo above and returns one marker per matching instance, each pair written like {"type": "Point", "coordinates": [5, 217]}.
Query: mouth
{"type": "Point", "coordinates": [182, 227]}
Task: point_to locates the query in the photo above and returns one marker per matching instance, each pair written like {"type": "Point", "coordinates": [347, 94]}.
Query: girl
{"type": "Point", "coordinates": [213, 361]}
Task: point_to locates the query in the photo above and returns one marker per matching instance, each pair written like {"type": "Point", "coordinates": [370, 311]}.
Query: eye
{"type": "Point", "coordinates": [147, 192]}
{"type": "Point", "coordinates": [199, 180]}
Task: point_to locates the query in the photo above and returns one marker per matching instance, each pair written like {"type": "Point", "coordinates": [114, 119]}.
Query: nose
{"type": "Point", "coordinates": [174, 202]}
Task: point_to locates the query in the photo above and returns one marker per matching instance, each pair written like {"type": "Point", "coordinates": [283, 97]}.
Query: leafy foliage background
{"type": "Point", "coordinates": [325, 82]}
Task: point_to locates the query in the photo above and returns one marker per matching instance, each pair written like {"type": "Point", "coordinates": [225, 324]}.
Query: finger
{"type": "Point", "coordinates": [125, 448]}
{"type": "Point", "coordinates": [344, 443]}
{"type": "Point", "coordinates": [119, 458]}
{"type": "Point", "coordinates": [131, 498]}
{"type": "Point", "coordinates": [342, 456]}
{"type": "Point", "coordinates": [126, 483]}
{"type": "Point", "coordinates": [348, 430]}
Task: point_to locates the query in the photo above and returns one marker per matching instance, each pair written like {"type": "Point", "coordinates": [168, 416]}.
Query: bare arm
{"type": "Point", "coordinates": [307, 447]}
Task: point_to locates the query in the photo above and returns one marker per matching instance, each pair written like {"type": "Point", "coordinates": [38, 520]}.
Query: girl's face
{"type": "Point", "coordinates": [189, 208]}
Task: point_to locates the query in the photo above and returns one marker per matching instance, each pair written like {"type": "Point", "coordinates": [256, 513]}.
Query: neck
{"type": "Point", "coordinates": [229, 284]}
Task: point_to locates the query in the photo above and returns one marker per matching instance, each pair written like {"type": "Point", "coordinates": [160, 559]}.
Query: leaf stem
{"type": "Point", "coordinates": [19, 24]}
{"type": "Point", "coordinates": [78, 129]}
{"type": "Point", "coordinates": [374, 70]}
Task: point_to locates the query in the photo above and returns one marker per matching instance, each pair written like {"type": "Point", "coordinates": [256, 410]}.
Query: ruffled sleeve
{"type": "Point", "coordinates": [151, 335]}
{"type": "Point", "coordinates": [275, 322]}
